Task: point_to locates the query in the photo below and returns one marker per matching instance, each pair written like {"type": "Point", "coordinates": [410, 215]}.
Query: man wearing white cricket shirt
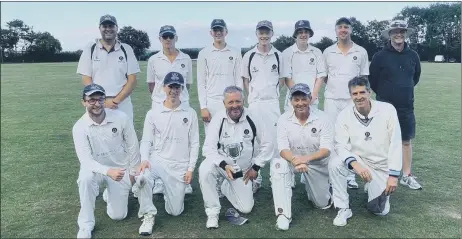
{"type": "Point", "coordinates": [169, 150]}
{"type": "Point", "coordinates": [218, 66]}
{"type": "Point", "coordinates": [107, 148]}
{"type": "Point", "coordinates": [344, 61]}
{"type": "Point", "coordinates": [303, 63]}
{"type": "Point", "coordinates": [305, 142]}
{"type": "Point", "coordinates": [239, 129]}
{"type": "Point", "coordinates": [368, 142]}
{"type": "Point", "coordinates": [262, 81]}
{"type": "Point", "coordinates": [169, 59]}
{"type": "Point", "coordinates": [111, 64]}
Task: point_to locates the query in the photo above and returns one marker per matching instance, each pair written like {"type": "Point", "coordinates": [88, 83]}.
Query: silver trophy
{"type": "Point", "coordinates": [234, 151]}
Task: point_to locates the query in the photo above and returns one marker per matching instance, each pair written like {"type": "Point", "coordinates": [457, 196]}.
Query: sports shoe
{"type": "Point", "coordinates": [410, 181]}
{"type": "Point", "coordinates": [158, 187]}
{"type": "Point", "coordinates": [84, 233]}
{"type": "Point", "coordinates": [139, 183]}
{"type": "Point", "coordinates": [342, 216]}
{"type": "Point", "coordinates": [282, 223]}
{"type": "Point", "coordinates": [105, 195]}
{"type": "Point", "coordinates": [351, 181]}
{"type": "Point", "coordinates": [366, 188]}
{"type": "Point", "coordinates": [188, 189]}
{"type": "Point", "coordinates": [147, 225]}
{"type": "Point", "coordinates": [212, 222]}
{"type": "Point", "coordinates": [386, 210]}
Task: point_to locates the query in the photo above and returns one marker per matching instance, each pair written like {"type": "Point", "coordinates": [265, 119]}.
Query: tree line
{"type": "Point", "coordinates": [438, 32]}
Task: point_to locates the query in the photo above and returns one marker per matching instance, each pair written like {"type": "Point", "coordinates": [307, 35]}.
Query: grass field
{"type": "Point", "coordinates": [39, 196]}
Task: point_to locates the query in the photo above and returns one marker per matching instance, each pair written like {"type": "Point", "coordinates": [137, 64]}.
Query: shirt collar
{"type": "Point", "coordinates": [243, 116]}
{"type": "Point", "coordinates": [371, 114]}
{"type": "Point", "coordinates": [354, 48]}
{"type": "Point", "coordinates": [181, 107]}
{"type": "Point", "coordinates": [295, 48]}
{"type": "Point", "coordinates": [180, 56]}
{"type": "Point", "coordinates": [272, 51]}
{"type": "Point", "coordinates": [312, 117]}
{"type": "Point", "coordinates": [116, 46]}
{"type": "Point", "coordinates": [109, 118]}
{"type": "Point", "coordinates": [224, 49]}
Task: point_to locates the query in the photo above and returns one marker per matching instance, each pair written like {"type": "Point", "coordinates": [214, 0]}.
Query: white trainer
{"type": "Point", "coordinates": [386, 210]}
{"type": "Point", "coordinates": [366, 188]}
{"type": "Point", "coordinates": [282, 223]}
{"type": "Point", "coordinates": [158, 187]}
{"type": "Point", "coordinates": [342, 216]}
{"type": "Point", "coordinates": [147, 225]}
{"type": "Point", "coordinates": [188, 189]}
{"type": "Point", "coordinates": [83, 233]}
{"type": "Point", "coordinates": [410, 181]}
{"type": "Point", "coordinates": [105, 195]}
{"type": "Point", "coordinates": [212, 222]}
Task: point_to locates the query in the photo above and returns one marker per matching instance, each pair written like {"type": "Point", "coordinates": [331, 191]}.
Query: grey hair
{"type": "Point", "coordinates": [359, 81]}
{"type": "Point", "coordinates": [232, 89]}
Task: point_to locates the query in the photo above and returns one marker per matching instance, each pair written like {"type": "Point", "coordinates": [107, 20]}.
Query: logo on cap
{"type": "Point", "coordinates": [175, 76]}
{"type": "Point", "coordinates": [301, 23]}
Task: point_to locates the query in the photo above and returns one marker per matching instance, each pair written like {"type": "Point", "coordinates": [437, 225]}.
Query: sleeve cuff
{"type": "Point", "coordinates": [394, 173]}
{"type": "Point", "coordinates": [103, 170]}
{"type": "Point", "coordinates": [348, 162]}
{"type": "Point", "coordinates": [256, 167]}
{"type": "Point", "coordinates": [223, 164]}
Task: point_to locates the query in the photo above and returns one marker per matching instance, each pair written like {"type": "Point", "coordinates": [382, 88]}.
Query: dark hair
{"type": "Point", "coordinates": [359, 81]}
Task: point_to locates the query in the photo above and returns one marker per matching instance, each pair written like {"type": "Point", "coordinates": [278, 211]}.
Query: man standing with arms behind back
{"type": "Point", "coordinates": [344, 61]}
{"type": "Point", "coordinates": [218, 66]}
{"type": "Point", "coordinates": [395, 71]}
{"type": "Point", "coordinates": [111, 64]}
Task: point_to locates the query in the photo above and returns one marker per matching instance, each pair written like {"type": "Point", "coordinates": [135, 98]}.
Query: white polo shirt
{"type": "Point", "coordinates": [376, 140]}
{"type": "Point", "coordinates": [264, 76]}
{"type": "Point", "coordinates": [240, 132]}
{"type": "Point", "coordinates": [303, 66]}
{"type": "Point", "coordinates": [216, 70]}
{"type": "Point", "coordinates": [342, 68]}
{"type": "Point", "coordinates": [173, 134]}
{"type": "Point", "coordinates": [306, 139]}
{"type": "Point", "coordinates": [108, 69]}
{"type": "Point", "coordinates": [111, 144]}
{"type": "Point", "coordinates": [159, 66]}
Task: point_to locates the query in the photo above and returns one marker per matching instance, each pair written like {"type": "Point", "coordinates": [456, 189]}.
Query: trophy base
{"type": "Point", "coordinates": [238, 175]}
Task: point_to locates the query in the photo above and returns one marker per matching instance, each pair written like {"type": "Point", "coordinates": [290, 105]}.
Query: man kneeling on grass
{"type": "Point", "coordinates": [107, 148]}
{"type": "Point", "coordinates": [368, 142]}
{"type": "Point", "coordinates": [171, 135]}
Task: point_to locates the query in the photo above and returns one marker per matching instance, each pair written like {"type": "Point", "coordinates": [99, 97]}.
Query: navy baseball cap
{"type": "Point", "coordinates": [93, 88]}
{"type": "Point", "coordinates": [300, 87]}
{"type": "Point", "coordinates": [167, 29]}
{"type": "Point", "coordinates": [343, 20]}
{"type": "Point", "coordinates": [264, 24]}
{"type": "Point", "coordinates": [108, 19]}
{"type": "Point", "coordinates": [173, 78]}
{"type": "Point", "coordinates": [218, 23]}
{"type": "Point", "coordinates": [302, 24]}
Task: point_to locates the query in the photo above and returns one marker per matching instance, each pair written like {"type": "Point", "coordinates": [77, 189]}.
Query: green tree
{"type": "Point", "coordinates": [324, 43]}
{"type": "Point", "coordinates": [44, 44]}
{"type": "Point", "coordinates": [137, 39]}
{"type": "Point", "coordinates": [374, 33]}
{"type": "Point", "coordinates": [283, 42]}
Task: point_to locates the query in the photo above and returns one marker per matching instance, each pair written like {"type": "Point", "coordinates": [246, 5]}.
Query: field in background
{"type": "Point", "coordinates": [39, 196]}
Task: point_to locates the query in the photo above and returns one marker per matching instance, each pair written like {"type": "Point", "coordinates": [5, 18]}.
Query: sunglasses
{"type": "Point", "coordinates": [92, 101]}
{"type": "Point", "coordinates": [168, 36]}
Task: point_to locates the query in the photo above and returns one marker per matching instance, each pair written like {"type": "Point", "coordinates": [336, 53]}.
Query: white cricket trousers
{"type": "Point", "coordinates": [333, 107]}
{"type": "Point", "coordinates": [213, 106]}
{"type": "Point", "coordinates": [239, 194]}
{"type": "Point", "coordinates": [376, 198]}
{"type": "Point", "coordinates": [126, 106]}
{"type": "Point", "coordinates": [316, 186]}
{"type": "Point", "coordinates": [117, 201]}
{"type": "Point", "coordinates": [172, 175]}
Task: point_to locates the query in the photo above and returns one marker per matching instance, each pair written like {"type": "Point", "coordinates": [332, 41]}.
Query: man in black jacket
{"type": "Point", "coordinates": [394, 71]}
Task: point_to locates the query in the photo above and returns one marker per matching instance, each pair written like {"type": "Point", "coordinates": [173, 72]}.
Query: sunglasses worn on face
{"type": "Point", "coordinates": [93, 101]}
{"type": "Point", "coordinates": [165, 37]}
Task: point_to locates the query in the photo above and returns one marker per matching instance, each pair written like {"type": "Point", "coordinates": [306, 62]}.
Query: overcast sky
{"type": "Point", "coordinates": [75, 24]}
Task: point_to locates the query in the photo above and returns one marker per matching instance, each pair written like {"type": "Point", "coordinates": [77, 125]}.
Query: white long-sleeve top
{"type": "Point", "coordinates": [239, 132]}
{"type": "Point", "coordinates": [159, 66]}
{"type": "Point", "coordinates": [216, 70]}
{"type": "Point", "coordinates": [111, 144]}
{"type": "Point", "coordinates": [306, 139]}
{"type": "Point", "coordinates": [173, 134]}
{"type": "Point", "coordinates": [376, 140]}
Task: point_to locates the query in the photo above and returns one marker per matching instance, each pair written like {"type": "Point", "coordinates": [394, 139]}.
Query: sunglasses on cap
{"type": "Point", "coordinates": [168, 36]}
{"type": "Point", "coordinates": [400, 25]}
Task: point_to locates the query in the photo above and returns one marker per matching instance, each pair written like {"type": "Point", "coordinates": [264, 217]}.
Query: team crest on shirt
{"type": "Point", "coordinates": [280, 210]}
{"type": "Point", "coordinates": [230, 58]}
{"type": "Point", "coordinates": [277, 165]}
{"type": "Point", "coordinates": [368, 136]}
{"type": "Point", "coordinates": [274, 68]}
{"type": "Point", "coordinates": [114, 132]}
{"type": "Point", "coordinates": [312, 61]}
{"type": "Point", "coordinates": [314, 132]}
{"type": "Point", "coordinates": [185, 120]}
{"type": "Point", "coordinates": [355, 58]}
{"type": "Point", "coordinates": [254, 69]}
{"type": "Point", "coordinates": [183, 66]}
{"type": "Point", "coordinates": [121, 58]}
{"type": "Point", "coordinates": [246, 133]}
